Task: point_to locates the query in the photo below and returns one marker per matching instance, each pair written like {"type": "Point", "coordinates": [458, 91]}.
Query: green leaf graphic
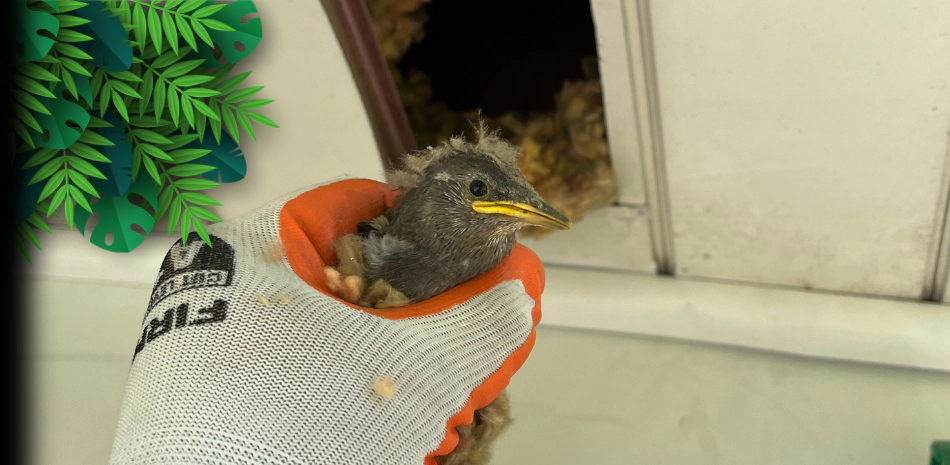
{"type": "Point", "coordinates": [117, 215]}
{"type": "Point", "coordinates": [110, 47]}
{"type": "Point", "coordinates": [226, 157]}
{"type": "Point", "coordinates": [119, 172]}
{"type": "Point", "coordinates": [29, 44]}
{"type": "Point", "coordinates": [62, 111]}
{"type": "Point", "coordinates": [248, 34]}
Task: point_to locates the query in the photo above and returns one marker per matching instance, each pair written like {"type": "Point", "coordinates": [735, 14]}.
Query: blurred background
{"type": "Point", "coordinates": [758, 268]}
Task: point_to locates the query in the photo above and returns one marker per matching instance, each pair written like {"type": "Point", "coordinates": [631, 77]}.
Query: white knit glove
{"type": "Point", "coordinates": [246, 358]}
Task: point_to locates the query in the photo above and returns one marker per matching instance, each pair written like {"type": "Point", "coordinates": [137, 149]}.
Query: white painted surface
{"type": "Point", "coordinates": [325, 133]}
{"type": "Point", "coordinates": [843, 327]}
{"type": "Point", "coordinates": [805, 141]}
{"type": "Point", "coordinates": [938, 264]}
{"type": "Point", "coordinates": [614, 238]}
{"type": "Point", "coordinates": [619, 108]}
{"type": "Point", "coordinates": [594, 398]}
{"type": "Point", "coordinates": [82, 336]}
{"type": "Point", "coordinates": [648, 128]}
{"type": "Point", "coordinates": [67, 254]}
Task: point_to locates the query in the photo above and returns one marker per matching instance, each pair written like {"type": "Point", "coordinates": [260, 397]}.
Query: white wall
{"type": "Point", "coordinates": [609, 399]}
{"type": "Point", "coordinates": [805, 142]}
{"type": "Point", "coordinates": [325, 132]}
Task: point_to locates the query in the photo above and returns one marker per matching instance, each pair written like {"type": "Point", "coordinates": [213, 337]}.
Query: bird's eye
{"type": "Point", "coordinates": [478, 188]}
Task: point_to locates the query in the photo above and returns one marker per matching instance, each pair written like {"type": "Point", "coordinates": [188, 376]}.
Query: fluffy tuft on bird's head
{"type": "Point", "coordinates": [487, 142]}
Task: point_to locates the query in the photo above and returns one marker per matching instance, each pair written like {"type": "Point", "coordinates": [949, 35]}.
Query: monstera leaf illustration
{"type": "Point", "coordinates": [226, 157]}
{"type": "Point", "coordinates": [236, 44]}
{"type": "Point", "coordinates": [110, 47]}
{"type": "Point", "coordinates": [119, 172]}
{"type": "Point", "coordinates": [62, 112]}
{"type": "Point", "coordinates": [30, 45]}
{"type": "Point", "coordinates": [117, 215]}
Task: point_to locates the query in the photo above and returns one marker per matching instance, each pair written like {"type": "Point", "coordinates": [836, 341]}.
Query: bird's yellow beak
{"type": "Point", "coordinates": [529, 214]}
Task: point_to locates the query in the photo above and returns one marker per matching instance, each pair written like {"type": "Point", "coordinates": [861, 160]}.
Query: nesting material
{"type": "Point", "coordinates": [565, 154]}
{"type": "Point", "coordinates": [382, 295]}
{"type": "Point", "coordinates": [566, 157]}
{"type": "Point", "coordinates": [431, 121]}
{"type": "Point", "coordinates": [275, 252]}
{"type": "Point", "coordinates": [398, 24]}
{"type": "Point", "coordinates": [384, 387]}
{"type": "Point", "coordinates": [349, 253]}
{"type": "Point", "coordinates": [476, 439]}
{"type": "Point", "coordinates": [347, 280]}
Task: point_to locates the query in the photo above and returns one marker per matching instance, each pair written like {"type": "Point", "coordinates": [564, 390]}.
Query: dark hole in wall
{"type": "Point", "coordinates": [503, 55]}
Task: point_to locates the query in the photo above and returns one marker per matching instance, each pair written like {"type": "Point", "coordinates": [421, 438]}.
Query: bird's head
{"type": "Point", "coordinates": [474, 187]}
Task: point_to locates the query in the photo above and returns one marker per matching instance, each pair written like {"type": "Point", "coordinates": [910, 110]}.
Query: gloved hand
{"type": "Point", "coordinates": [245, 357]}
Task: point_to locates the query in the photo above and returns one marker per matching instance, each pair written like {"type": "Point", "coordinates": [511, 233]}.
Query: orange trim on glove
{"type": "Point", "coordinates": [310, 225]}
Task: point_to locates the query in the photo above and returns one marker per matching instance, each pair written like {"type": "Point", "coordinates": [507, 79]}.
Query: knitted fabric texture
{"type": "Point", "coordinates": [245, 359]}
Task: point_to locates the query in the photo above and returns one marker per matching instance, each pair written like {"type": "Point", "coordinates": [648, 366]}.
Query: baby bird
{"type": "Point", "coordinates": [459, 209]}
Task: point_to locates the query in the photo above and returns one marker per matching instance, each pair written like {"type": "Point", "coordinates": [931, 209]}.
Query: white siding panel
{"type": "Point", "coordinates": [805, 141]}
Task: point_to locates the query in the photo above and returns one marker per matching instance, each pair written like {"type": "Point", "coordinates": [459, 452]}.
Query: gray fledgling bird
{"type": "Point", "coordinates": [460, 207]}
